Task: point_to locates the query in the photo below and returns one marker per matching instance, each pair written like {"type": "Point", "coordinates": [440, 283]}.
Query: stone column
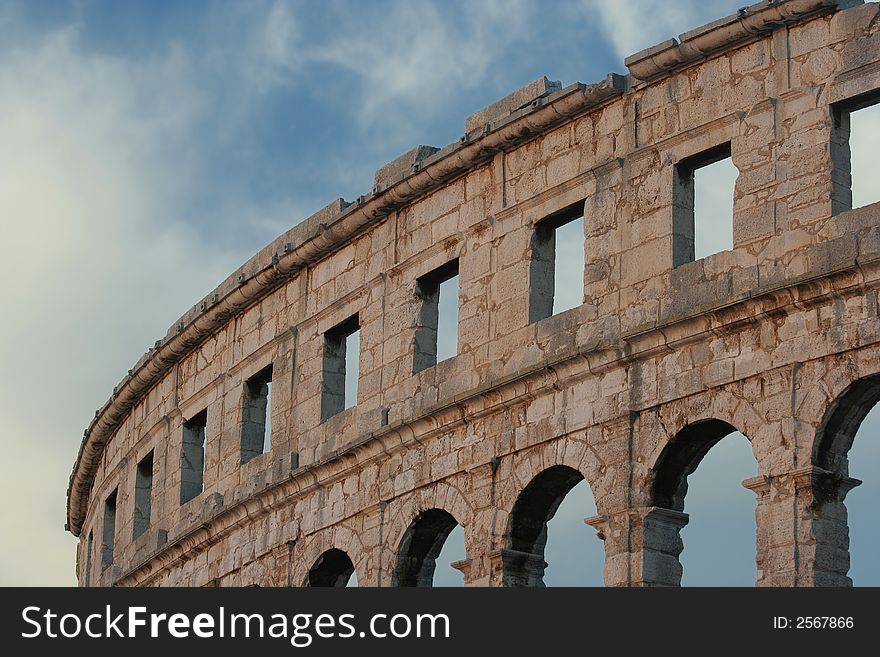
{"type": "Point", "coordinates": [802, 533]}
{"type": "Point", "coordinates": [465, 566]}
{"type": "Point", "coordinates": [613, 531]}
{"type": "Point", "coordinates": [515, 568]}
{"type": "Point", "coordinates": [822, 532]}
{"type": "Point", "coordinates": [760, 486]}
{"type": "Point", "coordinates": [642, 546]}
{"type": "Point", "coordinates": [615, 519]}
{"type": "Point", "coordinates": [656, 546]}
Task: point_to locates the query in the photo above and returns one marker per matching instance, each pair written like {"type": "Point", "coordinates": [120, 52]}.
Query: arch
{"type": "Point", "coordinates": [419, 547]}
{"type": "Point", "coordinates": [830, 481]}
{"type": "Point", "coordinates": [664, 517]}
{"type": "Point", "coordinates": [536, 505]}
{"type": "Point", "coordinates": [516, 473]}
{"type": "Point", "coordinates": [680, 457]}
{"type": "Point", "coordinates": [404, 511]}
{"type": "Point", "coordinates": [841, 423]}
{"type": "Point", "coordinates": [311, 548]}
{"type": "Point", "coordinates": [333, 568]}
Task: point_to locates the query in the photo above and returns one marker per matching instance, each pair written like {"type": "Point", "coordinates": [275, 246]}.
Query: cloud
{"type": "Point", "coordinates": [280, 38]}
{"type": "Point", "coordinates": [388, 71]}
{"type": "Point", "coordinates": [637, 24]}
{"type": "Point", "coordinates": [94, 171]}
{"type": "Point", "coordinates": [252, 49]}
{"type": "Point", "coordinates": [106, 236]}
{"type": "Point", "coordinates": [412, 56]}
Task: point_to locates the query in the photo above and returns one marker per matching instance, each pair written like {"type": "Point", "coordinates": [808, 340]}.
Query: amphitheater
{"type": "Point", "coordinates": [175, 483]}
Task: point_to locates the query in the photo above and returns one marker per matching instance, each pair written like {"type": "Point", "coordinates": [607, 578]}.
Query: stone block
{"type": "Point", "coordinates": [512, 102]}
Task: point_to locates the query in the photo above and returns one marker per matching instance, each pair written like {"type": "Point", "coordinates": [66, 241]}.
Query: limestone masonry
{"type": "Point", "coordinates": [778, 338]}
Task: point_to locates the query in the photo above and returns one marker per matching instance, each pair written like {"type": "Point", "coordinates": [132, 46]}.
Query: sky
{"type": "Point", "coordinates": [148, 148]}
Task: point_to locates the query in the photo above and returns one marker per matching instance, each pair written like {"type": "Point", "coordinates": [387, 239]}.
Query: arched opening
{"type": "Point", "coordinates": [333, 568]}
{"type": "Point", "coordinates": [548, 519]}
{"type": "Point", "coordinates": [421, 546]}
{"type": "Point", "coordinates": [721, 512]}
{"type": "Point", "coordinates": [452, 552]}
{"type": "Point", "coordinates": [848, 535]}
{"type": "Point", "coordinates": [861, 502]}
{"type": "Point", "coordinates": [845, 417]}
{"type": "Point", "coordinates": [574, 553]}
{"type": "Point", "coordinates": [687, 536]}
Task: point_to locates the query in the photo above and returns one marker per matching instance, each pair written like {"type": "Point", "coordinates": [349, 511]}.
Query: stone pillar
{"type": "Point", "coordinates": [515, 568]}
{"type": "Point", "coordinates": [657, 544]}
{"type": "Point", "coordinates": [642, 546]}
{"type": "Point", "coordinates": [802, 533]}
{"type": "Point", "coordinates": [465, 566]}
{"type": "Point", "coordinates": [822, 530]}
{"type": "Point", "coordinates": [760, 486]}
{"type": "Point", "coordinates": [613, 535]}
{"type": "Point", "coordinates": [615, 519]}
{"type": "Point", "coordinates": [480, 534]}
{"type": "Point", "coordinates": [496, 568]}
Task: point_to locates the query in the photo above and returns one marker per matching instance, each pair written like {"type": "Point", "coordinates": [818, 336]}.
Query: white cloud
{"type": "Point", "coordinates": [637, 24]}
{"type": "Point", "coordinates": [95, 165]}
{"type": "Point", "coordinates": [261, 45]}
{"type": "Point", "coordinates": [280, 36]}
{"type": "Point", "coordinates": [414, 55]}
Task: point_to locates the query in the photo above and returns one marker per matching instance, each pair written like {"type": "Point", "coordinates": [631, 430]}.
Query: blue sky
{"type": "Point", "coordinates": [148, 148]}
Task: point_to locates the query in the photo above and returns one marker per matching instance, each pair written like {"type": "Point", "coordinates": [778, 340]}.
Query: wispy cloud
{"type": "Point", "coordinates": [637, 24]}
{"type": "Point", "coordinates": [411, 56]}
{"type": "Point", "coordinates": [255, 48]}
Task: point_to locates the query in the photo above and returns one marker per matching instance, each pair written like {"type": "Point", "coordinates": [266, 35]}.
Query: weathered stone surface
{"type": "Point", "coordinates": [512, 102]}
{"type": "Point", "coordinates": [778, 338]}
{"type": "Point", "coordinates": [403, 165]}
{"type": "Point", "coordinates": [724, 33]}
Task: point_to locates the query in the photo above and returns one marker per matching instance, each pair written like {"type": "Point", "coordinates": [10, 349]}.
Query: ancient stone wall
{"type": "Point", "coordinates": [778, 338]}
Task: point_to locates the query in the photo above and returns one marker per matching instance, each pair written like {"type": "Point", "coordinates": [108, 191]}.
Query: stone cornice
{"type": "Point", "coordinates": [725, 33]}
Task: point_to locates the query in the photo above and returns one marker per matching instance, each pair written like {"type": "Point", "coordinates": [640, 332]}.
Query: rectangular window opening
{"type": "Point", "coordinates": [192, 457]}
{"type": "Point", "coordinates": [143, 494]}
{"type": "Point", "coordinates": [557, 265]}
{"type": "Point", "coordinates": [702, 205]}
{"type": "Point", "coordinates": [855, 142]}
{"type": "Point", "coordinates": [341, 369]}
{"type": "Point", "coordinates": [436, 336]}
{"type": "Point", "coordinates": [256, 426]}
{"type": "Point", "coordinates": [108, 536]}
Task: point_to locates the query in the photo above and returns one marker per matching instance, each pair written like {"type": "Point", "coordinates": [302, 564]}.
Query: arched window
{"type": "Point", "coordinates": [420, 546]}
{"type": "Point", "coordinates": [848, 535]}
{"type": "Point", "coordinates": [719, 513]}
{"type": "Point", "coordinates": [333, 568]}
{"type": "Point", "coordinates": [861, 503]}
{"type": "Point", "coordinates": [528, 531]}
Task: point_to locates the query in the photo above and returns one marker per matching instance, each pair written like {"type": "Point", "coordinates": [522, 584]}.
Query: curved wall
{"type": "Point", "coordinates": [764, 338]}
